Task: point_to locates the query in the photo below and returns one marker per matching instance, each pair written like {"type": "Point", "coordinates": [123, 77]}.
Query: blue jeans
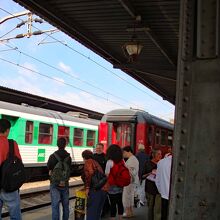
{"type": "Point", "coordinates": [12, 201]}
{"type": "Point", "coordinates": [59, 195]}
{"type": "Point", "coordinates": [95, 203]}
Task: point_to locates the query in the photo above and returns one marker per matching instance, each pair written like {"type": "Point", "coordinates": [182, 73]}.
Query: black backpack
{"type": "Point", "coordinates": [98, 179]}
{"type": "Point", "coordinates": [12, 172]}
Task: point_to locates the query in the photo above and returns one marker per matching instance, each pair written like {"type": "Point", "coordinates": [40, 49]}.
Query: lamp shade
{"type": "Point", "coordinates": [133, 48]}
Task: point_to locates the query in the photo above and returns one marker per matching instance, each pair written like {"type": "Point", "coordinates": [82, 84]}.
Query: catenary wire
{"type": "Point", "coordinates": [8, 32]}
{"type": "Point", "coordinates": [69, 74]}
{"type": "Point", "coordinates": [57, 80]}
{"type": "Point", "coordinates": [71, 48]}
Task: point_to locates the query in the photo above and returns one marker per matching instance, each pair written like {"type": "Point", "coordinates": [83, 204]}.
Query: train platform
{"type": "Point", "coordinates": [45, 214]}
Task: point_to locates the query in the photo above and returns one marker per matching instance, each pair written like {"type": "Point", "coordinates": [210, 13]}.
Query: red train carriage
{"type": "Point", "coordinates": [133, 127]}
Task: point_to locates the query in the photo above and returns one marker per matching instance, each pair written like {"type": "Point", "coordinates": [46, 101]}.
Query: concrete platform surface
{"type": "Point", "coordinates": [45, 214]}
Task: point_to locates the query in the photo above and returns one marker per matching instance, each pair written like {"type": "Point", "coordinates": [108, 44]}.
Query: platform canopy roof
{"type": "Point", "coordinates": [105, 26]}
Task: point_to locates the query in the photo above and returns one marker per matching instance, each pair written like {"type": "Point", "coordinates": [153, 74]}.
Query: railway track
{"type": "Point", "coordinates": [36, 200]}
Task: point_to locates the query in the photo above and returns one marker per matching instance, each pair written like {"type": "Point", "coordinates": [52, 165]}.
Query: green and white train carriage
{"type": "Point", "coordinates": [36, 131]}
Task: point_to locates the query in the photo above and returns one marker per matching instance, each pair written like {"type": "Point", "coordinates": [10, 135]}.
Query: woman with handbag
{"type": "Point", "coordinates": [96, 186]}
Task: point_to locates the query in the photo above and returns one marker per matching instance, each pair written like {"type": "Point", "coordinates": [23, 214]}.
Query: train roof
{"type": "Point", "coordinates": [135, 115]}
{"type": "Point", "coordinates": [45, 113]}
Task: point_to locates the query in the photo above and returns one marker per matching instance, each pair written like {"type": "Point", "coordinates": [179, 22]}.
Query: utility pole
{"type": "Point", "coordinates": [28, 22]}
{"type": "Point", "coordinates": [19, 14]}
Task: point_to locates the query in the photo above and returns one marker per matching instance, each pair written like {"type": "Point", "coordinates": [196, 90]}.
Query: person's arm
{"type": "Point", "coordinates": [88, 171]}
{"type": "Point", "coordinates": [158, 177]}
{"type": "Point", "coordinates": [108, 167]}
{"type": "Point", "coordinates": [51, 163]}
{"type": "Point", "coordinates": [147, 170]}
{"type": "Point", "coordinates": [16, 149]}
{"type": "Point", "coordinates": [70, 161]}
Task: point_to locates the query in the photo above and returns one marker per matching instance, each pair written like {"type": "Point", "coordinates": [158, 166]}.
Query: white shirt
{"type": "Point", "coordinates": [108, 167]}
{"type": "Point", "coordinates": [163, 176]}
{"type": "Point", "coordinates": [133, 166]}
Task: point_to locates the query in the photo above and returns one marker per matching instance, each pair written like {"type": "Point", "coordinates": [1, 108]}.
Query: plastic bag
{"type": "Point", "coordinates": [80, 204]}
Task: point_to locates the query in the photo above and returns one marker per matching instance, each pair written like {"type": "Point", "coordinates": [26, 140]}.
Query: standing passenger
{"type": "Point", "coordinates": [11, 199]}
{"type": "Point", "coordinates": [115, 159]}
{"type": "Point", "coordinates": [59, 163]}
{"type": "Point", "coordinates": [152, 194]}
{"type": "Point", "coordinates": [128, 191]}
{"type": "Point", "coordinates": [99, 156]}
{"type": "Point", "coordinates": [142, 159]}
{"type": "Point", "coordinates": [95, 197]}
{"type": "Point", "coordinates": [163, 182]}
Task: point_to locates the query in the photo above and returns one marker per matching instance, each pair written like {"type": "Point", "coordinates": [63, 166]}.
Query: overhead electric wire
{"type": "Point", "coordinates": [100, 65]}
{"type": "Point", "coordinates": [69, 74]}
{"type": "Point", "coordinates": [57, 80]}
{"type": "Point", "coordinates": [8, 32]}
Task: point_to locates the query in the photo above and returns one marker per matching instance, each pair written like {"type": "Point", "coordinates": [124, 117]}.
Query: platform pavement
{"type": "Point", "coordinates": [45, 214]}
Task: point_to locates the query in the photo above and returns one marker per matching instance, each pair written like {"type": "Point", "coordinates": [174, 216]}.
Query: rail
{"type": "Point", "coordinates": [38, 206]}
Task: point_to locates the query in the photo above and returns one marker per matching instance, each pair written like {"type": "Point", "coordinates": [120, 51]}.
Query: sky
{"type": "Point", "coordinates": [55, 66]}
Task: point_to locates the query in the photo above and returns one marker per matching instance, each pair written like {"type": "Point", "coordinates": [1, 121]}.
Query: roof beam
{"type": "Point", "coordinates": [138, 69]}
{"type": "Point", "coordinates": [74, 31]}
{"type": "Point", "coordinates": [128, 7]}
{"type": "Point", "coordinates": [151, 85]}
{"type": "Point", "coordinates": [135, 15]}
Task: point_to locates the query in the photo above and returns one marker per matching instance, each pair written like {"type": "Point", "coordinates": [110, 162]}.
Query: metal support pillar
{"type": "Point", "coordinates": [195, 184]}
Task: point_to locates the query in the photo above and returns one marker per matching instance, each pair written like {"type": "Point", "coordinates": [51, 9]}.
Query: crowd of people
{"type": "Point", "coordinates": [111, 180]}
{"type": "Point", "coordinates": [149, 179]}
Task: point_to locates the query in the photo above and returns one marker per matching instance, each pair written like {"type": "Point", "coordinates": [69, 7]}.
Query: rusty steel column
{"type": "Point", "coordinates": [195, 184]}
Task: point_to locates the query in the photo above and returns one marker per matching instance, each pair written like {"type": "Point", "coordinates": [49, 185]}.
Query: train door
{"type": "Point", "coordinates": [122, 133]}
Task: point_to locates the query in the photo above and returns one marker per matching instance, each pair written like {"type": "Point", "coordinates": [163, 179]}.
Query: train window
{"type": "Point", "coordinates": [78, 137]}
{"type": "Point", "coordinates": [150, 134]}
{"type": "Point", "coordinates": [29, 132]}
{"type": "Point", "coordinates": [170, 138]}
{"type": "Point", "coordinates": [90, 138]}
{"type": "Point", "coordinates": [157, 137]}
{"type": "Point", "coordinates": [118, 134]}
{"type": "Point", "coordinates": [163, 137]}
{"type": "Point", "coordinates": [64, 132]}
{"type": "Point", "coordinates": [128, 134]}
{"type": "Point", "coordinates": [45, 133]}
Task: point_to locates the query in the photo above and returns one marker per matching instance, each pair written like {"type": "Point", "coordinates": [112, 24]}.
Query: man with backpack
{"type": "Point", "coordinates": [59, 165]}
{"type": "Point", "coordinates": [12, 199]}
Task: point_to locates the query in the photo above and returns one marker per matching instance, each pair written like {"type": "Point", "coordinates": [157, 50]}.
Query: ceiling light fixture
{"type": "Point", "coordinates": [133, 48]}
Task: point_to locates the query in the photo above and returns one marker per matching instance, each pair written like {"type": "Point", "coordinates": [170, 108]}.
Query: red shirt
{"type": "Point", "coordinates": [4, 149]}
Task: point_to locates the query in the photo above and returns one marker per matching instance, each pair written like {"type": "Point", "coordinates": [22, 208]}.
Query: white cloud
{"type": "Point", "coordinates": [65, 68]}
{"type": "Point", "coordinates": [28, 71]}
{"type": "Point", "coordinates": [59, 81]}
{"type": "Point", "coordinates": [85, 101]}
{"type": "Point", "coordinates": [81, 99]}
{"type": "Point", "coordinates": [22, 84]}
